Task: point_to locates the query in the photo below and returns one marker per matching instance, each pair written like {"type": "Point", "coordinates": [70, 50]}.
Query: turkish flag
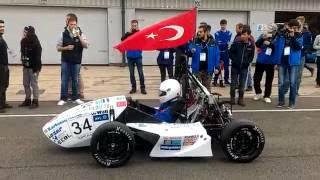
{"type": "Point", "coordinates": [168, 33]}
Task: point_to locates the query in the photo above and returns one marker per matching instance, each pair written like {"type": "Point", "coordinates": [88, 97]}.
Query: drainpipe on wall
{"type": "Point", "coordinates": [123, 21]}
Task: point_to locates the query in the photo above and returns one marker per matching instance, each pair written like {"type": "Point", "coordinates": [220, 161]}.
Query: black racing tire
{"type": "Point", "coordinates": [242, 141]}
{"type": "Point", "coordinates": [112, 144]}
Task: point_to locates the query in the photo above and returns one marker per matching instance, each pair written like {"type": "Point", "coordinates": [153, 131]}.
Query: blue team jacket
{"type": "Point", "coordinates": [213, 56]}
{"type": "Point", "coordinates": [295, 50]}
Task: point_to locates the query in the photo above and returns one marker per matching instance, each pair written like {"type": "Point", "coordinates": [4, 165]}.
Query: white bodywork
{"type": "Point", "coordinates": [74, 127]}
{"type": "Point", "coordinates": [178, 140]}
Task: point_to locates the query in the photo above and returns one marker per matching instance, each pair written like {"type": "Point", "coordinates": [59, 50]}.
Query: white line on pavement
{"type": "Point", "coordinates": [276, 110]}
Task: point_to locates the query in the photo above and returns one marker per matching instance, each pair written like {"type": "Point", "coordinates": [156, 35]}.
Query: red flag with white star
{"type": "Point", "coordinates": [168, 33]}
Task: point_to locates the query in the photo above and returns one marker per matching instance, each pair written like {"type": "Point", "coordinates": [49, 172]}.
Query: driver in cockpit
{"type": "Point", "coordinates": [172, 105]}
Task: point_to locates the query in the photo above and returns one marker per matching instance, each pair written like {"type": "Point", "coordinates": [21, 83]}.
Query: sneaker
{"type": "Point", "coordinates": [132, 91]}
{"type": "Point", "coordinates": [267, 100]}
{"type": "Point", "coordinates": [312, 72]}
{"type": "Point", "coordinates": [257, 97]}
{"type": "Point", "coordinates": [280, 105]}
{"type": "Point", "coordinates": [221, 84]}
{"type": "Point", "coordinates": [232, 101]}
{"type": "Point", "coordinates": [241, 102]}
{"type": "Point", "coordinates": [61, 103]}
{"type": "Point", "coordinates": [25, 103]}
{"type": "Point", "coordinates": [2, 110]}
{"type": "Point", "coordinates": [143, 91]}
{"type": "Point", "coordinates": [215, 83]}
{"type": "Point", "coordinates": [291, 106]}
{"type": "Point", "coordinates": [227, 83]}
{"type": "Point", "coordinates": [249, 88]}
{"type": "Point", "coordinates": [78, 101]}
{"type": "Point", "coordinates": [7, 106]}
{"type": "Point", "coordinates": [34, 104]}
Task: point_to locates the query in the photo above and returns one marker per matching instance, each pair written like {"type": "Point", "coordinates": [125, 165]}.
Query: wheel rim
{"type": "Point", "coordinates": [245, 142]}
{"type": "Point", "coordinates": [113, 146]}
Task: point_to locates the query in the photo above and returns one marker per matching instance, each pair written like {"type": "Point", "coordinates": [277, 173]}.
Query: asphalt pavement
{"type": "Point", "coordinates": [292, 149]}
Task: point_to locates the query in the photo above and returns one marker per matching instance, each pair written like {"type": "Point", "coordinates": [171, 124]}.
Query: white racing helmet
{"type": "Point", "coordinates": [169, 89]}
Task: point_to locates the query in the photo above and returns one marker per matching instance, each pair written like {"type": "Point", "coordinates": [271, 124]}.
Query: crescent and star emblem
{"type": "Point", "coordinates": [178, 35]}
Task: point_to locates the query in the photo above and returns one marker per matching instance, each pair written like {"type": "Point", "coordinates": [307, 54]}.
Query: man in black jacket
{"type": "Point", "coordinates": [71, 45]}
{"type": "Point", "coordinates": [241, 53]}
{"type": "Point", "coordinates": [4, 70]}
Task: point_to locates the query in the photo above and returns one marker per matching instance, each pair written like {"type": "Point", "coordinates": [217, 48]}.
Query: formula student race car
{"type": "Point", "coordinates": [113, 126]}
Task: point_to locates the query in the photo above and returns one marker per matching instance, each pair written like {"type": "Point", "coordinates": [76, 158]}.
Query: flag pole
{"type": "Point", "coordinates": [197, 4]}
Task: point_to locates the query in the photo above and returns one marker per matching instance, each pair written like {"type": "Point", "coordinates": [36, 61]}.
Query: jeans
{"type": "Point", "coordinates": [30, 80]}
{"type": "Point", "coordinates": [291, 73]}
{"type": "Point", "coordinates": [163, 68]}
{"type": "Point", "coordinates": [132, 63]}
{"type": "Point", "coordinates": [224, 56]}
{"type": "Point", "coordinates": [318, 70]}
{"type": "Point", "coordinates": [258, 74]}
{"type": "Point", "coordinates": [249, 78]}
{"type": "Point", "coordinates": [238, 76]}
{"type": "Point", "coordinates": [4, 84]}
{"type": "Point", "coordinates": [69, 70]}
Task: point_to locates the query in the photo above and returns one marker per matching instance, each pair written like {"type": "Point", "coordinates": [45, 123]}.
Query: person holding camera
{"type": "Point", "coordinates": [265, 63]}
{"type": "Point", "coordinates": [288, 55]}
{"type": "Point", "coordinates": [316, 45]}
{"type": "Point", "coordinates": [71, 45]}
{"type": "Point", "coordinates": [31, 60]}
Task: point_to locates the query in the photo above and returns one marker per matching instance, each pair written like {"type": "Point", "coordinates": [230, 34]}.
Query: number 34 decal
{"type": "Point", "coordinates": [78, 129]}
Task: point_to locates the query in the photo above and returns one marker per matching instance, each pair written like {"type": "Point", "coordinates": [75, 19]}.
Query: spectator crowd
{"type": "Point", "coordinates": [217, 59]}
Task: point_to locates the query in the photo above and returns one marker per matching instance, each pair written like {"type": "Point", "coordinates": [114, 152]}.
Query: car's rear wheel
{"type": "Point", "coordinates": [242, 141]}
{"type": "Point", "coordinates": [112, 144]}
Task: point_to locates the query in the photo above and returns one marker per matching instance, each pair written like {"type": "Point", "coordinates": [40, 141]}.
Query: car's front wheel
{"type": "Point", "coordinates": [242, 141]}
{"type": "Point", "coordinates": [112, 144]}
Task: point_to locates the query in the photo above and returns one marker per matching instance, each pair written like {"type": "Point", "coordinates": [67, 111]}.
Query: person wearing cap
{"type": "Point", "coordinates": [265, 63]}
{"type": "Point", "coordinates": [31, 60]}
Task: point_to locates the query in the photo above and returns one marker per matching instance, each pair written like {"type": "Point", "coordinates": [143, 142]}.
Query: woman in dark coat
{"type": "Point", "coordinates": [31, 60]}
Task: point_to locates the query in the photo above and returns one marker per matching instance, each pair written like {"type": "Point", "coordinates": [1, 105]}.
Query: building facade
{"type": "Point", "coordinates": [103, 21]}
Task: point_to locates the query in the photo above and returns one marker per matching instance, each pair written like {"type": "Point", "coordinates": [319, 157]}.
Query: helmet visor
{"type": "Point", "coordinates": [162, 93]}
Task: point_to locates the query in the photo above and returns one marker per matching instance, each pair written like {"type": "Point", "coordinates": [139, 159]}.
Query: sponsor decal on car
{"type": "Point", "coordinates": [190, 140]}
{"type": "Point", "coordinates": [121, 103]}
{"type": "Point", "coordinates": [55, 125]}
{"type": "Point", "coordinates": [55, 133]}
{"type": "Point", "coordinates": [99, 112]}
{"type": "Point", "coordinates": [101, 117]}
{"type": "Point", "coordinates": [171, 143]}
{"type": "Point", "coordinates": [63, 139]}
{"type": "Point", "coordinates": [101, 101]}
{"type": "Point", "coordinates": [120, 98]}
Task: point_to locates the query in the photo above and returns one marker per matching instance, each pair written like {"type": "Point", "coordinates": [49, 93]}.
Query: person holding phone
{"type": "Point", "coordinates": [71, 45]}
